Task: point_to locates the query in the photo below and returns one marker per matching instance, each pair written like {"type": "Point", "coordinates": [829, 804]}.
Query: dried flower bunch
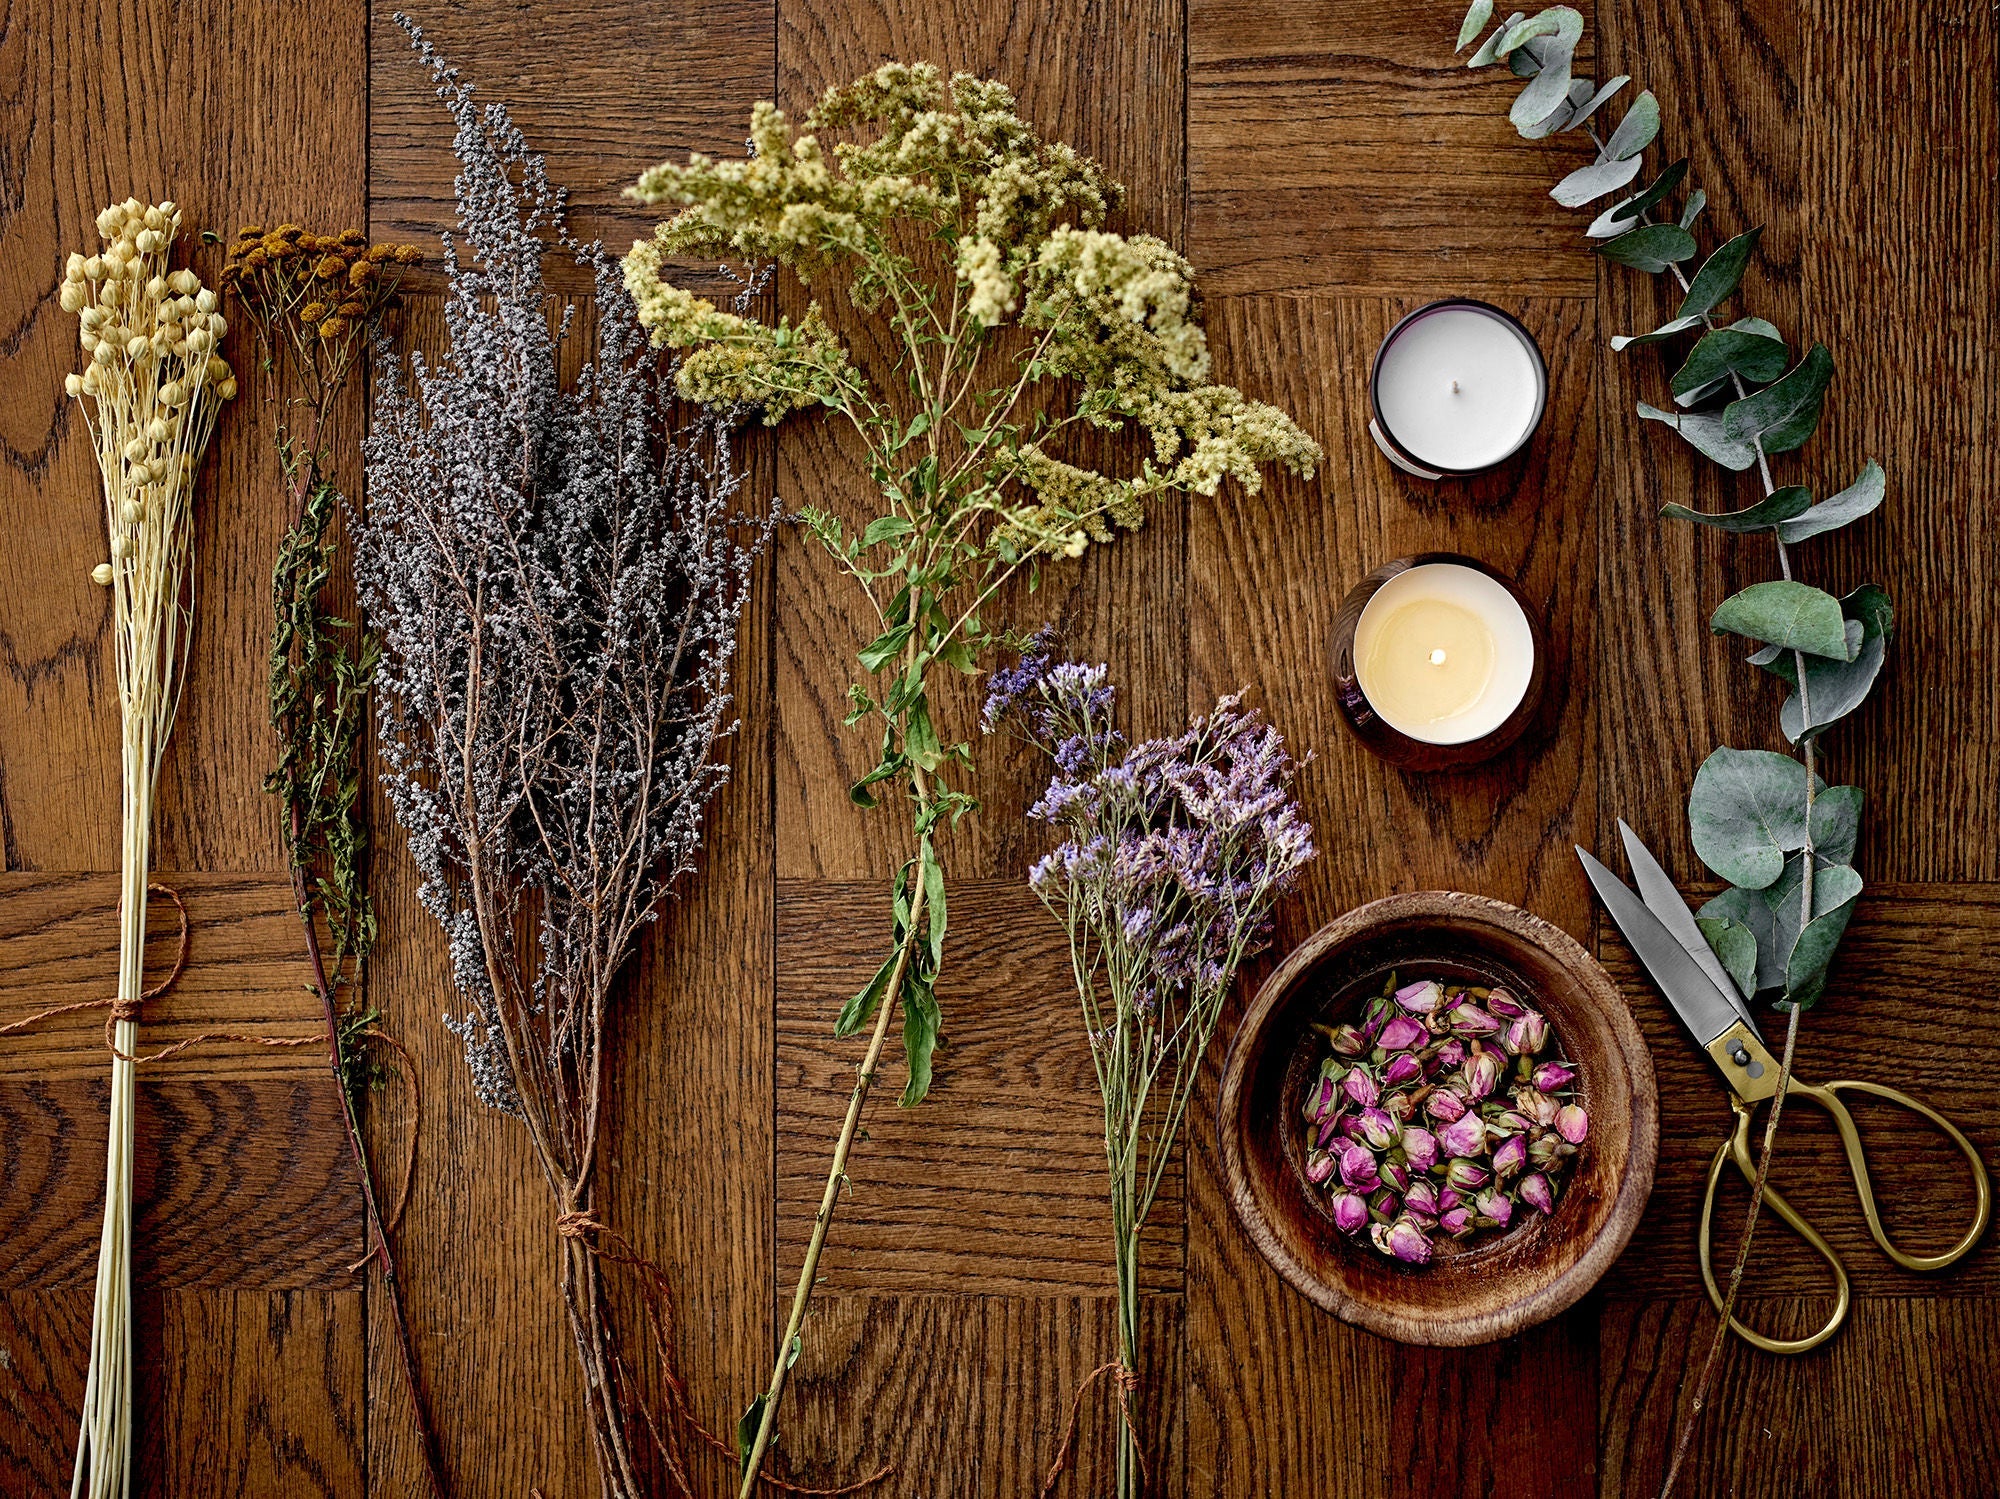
{"type": "Point", "coordinates": [150, 393]}
{"type": "Point", "coordinates": [1410, 1129]}
{"type": "Point", "coordinates": [1174, 852]}
{"type": "Point", "coordinates": [1763, 821]}
{"type": "Point", "coordinates": [316, 303]}
{"type": "Point", "coordinates": [1016, 325]}
{"type": "Point", "coordinates": [557, 574]}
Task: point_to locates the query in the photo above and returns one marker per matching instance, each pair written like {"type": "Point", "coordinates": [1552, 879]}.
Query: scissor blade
{"type": "Point", "coordinates": [1656, 888]}
{"type": "Point", "coordinates": [1703, 1008]}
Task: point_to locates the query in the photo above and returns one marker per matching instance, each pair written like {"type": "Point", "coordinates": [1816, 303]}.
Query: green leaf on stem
{"type": "Point", "coordinates": [1786, 959]}
{"type": "Point", "coordinates": [1651, 248]}
{"type": "Point", "coordinates": [1719, 276]}
{"type": "Point", "coordinates": [1621, 216]}
{"type": "Point", "coordinates": [1561, 29]}
{"type": "Point", "coordinates": [921, 1021]}
{"type": "Point", "coordinates": [1581, 115]}
{"type": "Point", "coordinates": [1702, 429]}
{"type": "Point", "coordinates": [920, 737]}
{"type": "Point", "coordinates": [1636, 131]}
{"type": "Point", "coordinates": [1474, 23]}
{"type": "Point", "coordinates": [886, 528]}
{"type": "Point", "coordinates": [1489, 53]}
{"type": "Point", "coordinates": [1782, 416]}
{"type": "Point", "coordinates": [1796, 616]}
{"type": "Point", "coordinates": [1836, 823]}
{"type": "Point", "coordinates": [747, 1427]}
{"type": "Point", "coordinates": [880, 651]}
{"type": "Point", "coordinates": [1835, 689]}
{"type": "Point", "coordinates": [1747, 810]}
{"type": "Point", "coordinates": [1666, 330]}
{"type": "Point", "coordinates": [859, 1010]}
{"type": "Point", "coordinates": [1860, 498]}
{"type": "Point", "coordinates": [1691, 210]}
{"type": "Point", "coordinates": [1589, 183]}
{"type": "Point", "coordinates": [1736, 945]}
{"type": "Point", "coordinates": [1780, 505]}
{"type": "Point", "coordinates": [933, 878]}
{"type": "Point", "coordinates": [1743, 349]}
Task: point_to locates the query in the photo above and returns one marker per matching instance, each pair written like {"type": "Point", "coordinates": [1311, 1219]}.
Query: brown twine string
{"type": "Point", "coordinates": [657, 1295]}
{"type": "Point", "coordinates": [1127, 1382]}
{"type": "Point", "coordinates": [408, 1072]}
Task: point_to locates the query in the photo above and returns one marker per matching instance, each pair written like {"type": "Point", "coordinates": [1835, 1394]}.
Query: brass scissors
{"type": "Point", "coordinates": [1663, 933]}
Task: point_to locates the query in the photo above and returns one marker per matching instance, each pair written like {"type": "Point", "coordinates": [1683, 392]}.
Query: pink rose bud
{"type": "Point", "coordinates": [1395, 1175]}
{"type": "Point", "coordinates": [1350, 1212]}
{"type": "Point", "coordinates": [1546, 1151]}
{"type": "Point", "coordinates": [1466, 1174]}
{"type": "Point", "coordinates": [1420, 1147]}
{"type": "Point", "coordinates": [1329, 1129]}
{"type": "Point", "coordinates": [1503, 1004]}
{"type": "Point", "coordinates": [1348, 1042]}
{"type": "Point", "coordinates": [1448, 1198]}
{"type": "Point", "coordinates": [1451, 1055]}
{"type": "Point", "coordinates": [1402, 1033]}
{"type": "Point", "coordinates": [1551, 1077]}
{"type": "Point", "coordinates": [1537, 1193]}
{"type": "Point", "coordinates": [1319, 1166]}
{"type": "Point", "coordinates": [1444, 1106]}
{"type": "Point", "coordinates": [1457, 1222]}
{"type": "Point", "coordinates": [1471, 1022]}
{"type": "Point", "coordinates": [1421, 997]}
{"type": "Point", "coordinates": [1398, 1106]}
{"type": "Point", "coordinates": [1482, 1075]}
{"type": "Point", "coordinates": [1409, 1243]}
{"type": "Point", "coordinates": [1360, 1087]}
{"type": "Point", "coordinates": [1494, 1208]}
{"type": "Point", "coordinates": [1422, 1197]}
{"type": "Point", "coordinates": [1372, 1019]}
{"type": "Point", "coordinates": [1357, 1168]}
{"type": "Point", "coordinates": [1506, 1121]}
{"type": "Point", "coordinates": [1403, 1068]}
{"type": "Point", "coordinates": [1464, 1136]}
{"type": "Point", "coordinates": [1510, 1155]}
{"type": "Point", "coordinates": [1318, 1097]}
{"type": "Point", "coordinates": [1528, 1034]}
{"type": "Point", "coordinates": [1537, 1105]}
{"type": "Point", "coordinates": [1572, 1123]}
{"type": "Point", "coordinates": [1384, 1205]}
{"type": "Point", "coordinates": [1378, 1130]}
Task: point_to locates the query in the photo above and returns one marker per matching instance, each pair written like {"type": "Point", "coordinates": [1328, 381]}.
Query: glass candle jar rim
{"type": "Point", "coordinates": [1501, 315]}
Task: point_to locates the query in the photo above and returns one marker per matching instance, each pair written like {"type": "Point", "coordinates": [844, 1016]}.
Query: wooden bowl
{"type": "Point", "coordinates": [1497, 1283]}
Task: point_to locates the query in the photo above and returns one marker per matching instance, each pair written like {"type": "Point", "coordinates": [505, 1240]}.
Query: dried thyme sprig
{"type": "Point", "coordinates": [316, 302]}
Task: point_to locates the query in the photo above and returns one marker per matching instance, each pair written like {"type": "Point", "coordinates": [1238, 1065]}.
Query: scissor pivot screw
{"type": "Point", "coordinates": [1739, 1053]}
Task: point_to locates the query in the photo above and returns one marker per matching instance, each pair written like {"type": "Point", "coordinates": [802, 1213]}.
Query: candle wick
{"type": "Point", "coordinates": [1437, 658]}
{"type": "Point", "coordinates": [1454, 387]}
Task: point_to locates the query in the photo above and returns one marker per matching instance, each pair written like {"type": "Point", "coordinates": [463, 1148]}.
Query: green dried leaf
{"type": "Point", "coordinates": [1691, 210]}
{"type": "Point", "coordinates": [1782, 612]}
{"type": "Point", "coordinates": [1474, 23]}
{"type": "Point", "coordinates": [859, 1010]}
{"type": "Point", "coordinates": [1666, 330]}
{"type": "Point", "coordinates": [747, 1427]}
{"type": "Point", "coordinates": [883, 649]}
{"type": "Point", "coordinates": [1747, 810]}
{"type": "Point", "coordinates": [1594, 103]}
{"type": "Point", "coordinates": [1858, 499]}
{"type": "Point", "coordinates": [1736, 945]}
{"type": "Point", "coordinates": [934, 900]}
{"type": "Point", "coordinates": [1587, 184]}
{"type": "Point", "coordinates": [921, 1021]}
{"type": "Point", "coordinates": [1782, 416]}
{"type": "Point", "coordinates": [1781, 505]}
{"type": "Point", "coordinates": [1704, 430]}
{"type": "Point", "coordinates": [1719, 276]}
{"type": "Point", "coordinates": [886, 528]}
{"type": "Point", "coordinates": [1621, 216]}
{"type": "Point", "coordinates": [1636, 131]}
{"type": "Point", "coordinates": [1652, 248]}
{"type": "Point", "coordinates": [1731, 351]}
{"type": "Point", "coordinates": [920, 737]}
{"type": "Point", "coordinates": [1836, 688]}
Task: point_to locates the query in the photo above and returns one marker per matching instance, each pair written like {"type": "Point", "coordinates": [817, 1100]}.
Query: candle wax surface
{"type": "Point", "coordinates": [1458, 388]}
{"type": "Point", "coordinates": [1443, 653]}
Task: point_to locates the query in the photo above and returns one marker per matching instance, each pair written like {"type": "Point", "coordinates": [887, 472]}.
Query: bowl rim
{"type": "Point", "coordinates": [1634, 1187]}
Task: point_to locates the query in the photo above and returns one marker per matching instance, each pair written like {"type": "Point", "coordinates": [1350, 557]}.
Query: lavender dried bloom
{"type": "Point", "coordinates": [556, 574]}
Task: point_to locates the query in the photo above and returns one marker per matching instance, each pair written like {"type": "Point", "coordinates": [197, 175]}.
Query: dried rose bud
{"type": "Point", "coordinates": [1402, 1033]}
{"type": "Point", "coordinates": [1448, 1198]}
{"type": "Point", "coordinates": [1537, 1192]}
{"type": "Point", "coordinates": [1552, 1077]}
{"type": "Point", "coordinates": [1470, 1021]}
{"type": "Point", "coordinates": [1505, 1121]}
{"type": "Point", "coordinates": [1384, 1205]}
{"type": "Point", "coordinates": [1537, 1105]}
{"type": "Point", "coordinates": [1319, 1097]}
{"type": "Point", "coordinates": [1329, 1129]}
{"type": "Point", "coordinates": [1466, 1174]}
{"type": "Point", "coordinates": [1348, 1042]}
{"type": "Point", "coordinates": [1421, 997]}
{"type": "Point", "coordinates": [1420, 1147]}
{"type": "Point", "coordinates": [1403, 1068]}
{"type": "Point", "coordinates": [1408, 1242]}
{"type": "Point", "coordinates": [1457, 1222]}
{"type": "Point", "coordinates": [1378, 1130]}
{"type": "Point", "coordinates": [1451, 1055]}
{"type": "Point", "coordinates": [1422, 1197]}
{"type": "Point", "coordinates": [1376, 1016]}
{"type": "Point", "coordinates": [1357, 1168]}
{"type": "Point", "coordinates": [1445, 1106]}
{"type": "Point", "coordinates": [1572, 1123]}
{"type": "Point", "coordinates": [1503, 1004]}
{"type": "Point", "coordinates": [1482, 1075]}
{"type": "Point", "coordinates": [1360, 1087]}
{"type": "Point", "coordinates": [1464, 1136]}
{"type": "Point", "coordinates": [1395, 1175]}
{"type": "Point", "coordinates": [1510, 1155]}
{"type": "Point", "coordinates": [1319, 1166]}
{"type": "Point", "coordinates": [1546, 1151]}
{"type": "Point", "coordinates": [1398, 1106]}
{"type": "Point", "coordinates": [1494, 1208]}
{"type": "Point", "coordinates": [1527, 1034]}
{"type": "Point", "coordinates": [1350, 1212]}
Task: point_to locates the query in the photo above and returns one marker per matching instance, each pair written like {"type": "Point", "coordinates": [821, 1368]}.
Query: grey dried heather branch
{"type": "Point", "coordinates": [557, 575]}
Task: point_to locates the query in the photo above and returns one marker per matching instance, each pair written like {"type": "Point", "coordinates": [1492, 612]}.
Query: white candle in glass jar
{"type": "Point", "coordinates": [1443, 653]}
{"type": "Point", "coordinates": [1458, 387]}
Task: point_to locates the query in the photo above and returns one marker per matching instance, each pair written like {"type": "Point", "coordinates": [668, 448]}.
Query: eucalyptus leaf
{"type": "Point", "coordinates": [921, 1021]}
{"type": "Point", "coordinates": [1475, 22]}
{"type": "Point", "coordinates": [1812, 954]}
{"type": "Point", "coordinates": [1704, 430]}
{"type": "Point", "coordinates": [1719, 276]}
{"type": "Point", "coordinates": [1799, 958]}
{"type": "Point", "coordinates": [1559, 21]}
{"type": "Point", "coordinates": [1652, 248]}
{"type": "Point", "coordinates": [1525, 61]}
{"type": "Point", "coordinates": [1787, 613]}
{"type": "Point", "coordinates": [1595, 102]}
{"type": "Point", "coordinates": [1702, 395]}
{"type": "Point", "coordinates": [1691, 210]}
{"type": "Point", "coordinates": [1781, 417]}
{"type": "Point", "coordinates": [1579, 90]}
{"type": "Point", "coordinates": [1620, 216]}
{"type": "Point", "coordinates": [1835, 689]}
{"type": "Point", "coordinates": [1748, 911]}
{"type": "Point", "coordinates": [1858, 499]}
{"type": "Point", "coordinates": [1636, 131]}
{"type": "Point", "coordinates": [1780, 505]}
{"type": "Point", "coordinates": [1747, 810]}
{"type": "Point", "coordinates": [1549, 91]}
{"type": "Point", "coordinates": [1587, 184]}
{"type": "Point", "coordinates": [1731, 351]}
{"type": "Point", "coordinates": [1489, 53]}
{"type": "Point", "coordinates": [1836, 823]}
{"type": "Point", "coordinates": [1666, 330]}
{"type": "Point", "coordinates": [1736, 945]}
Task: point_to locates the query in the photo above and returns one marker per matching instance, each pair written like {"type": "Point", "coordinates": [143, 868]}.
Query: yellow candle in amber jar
{"type": "Point", "coordinates": [1443, 653]}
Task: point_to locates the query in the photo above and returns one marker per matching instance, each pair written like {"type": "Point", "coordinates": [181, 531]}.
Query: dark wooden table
{"type": "Point", "coordinates": [1326, 169]}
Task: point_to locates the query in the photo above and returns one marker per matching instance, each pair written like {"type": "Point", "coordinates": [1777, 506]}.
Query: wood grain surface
{"type": "Point", "coordinates": [1327, 169]}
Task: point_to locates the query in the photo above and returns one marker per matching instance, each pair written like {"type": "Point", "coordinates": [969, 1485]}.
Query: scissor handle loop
{"type": "Point", "coordinates": [1825, 1095]}
{"type": "Point", "coordinates": [1736, 1149]}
